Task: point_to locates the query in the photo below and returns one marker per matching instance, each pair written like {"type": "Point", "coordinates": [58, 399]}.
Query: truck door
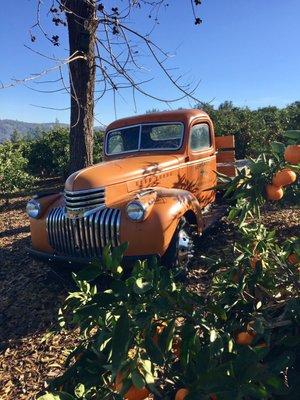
{"type": "Point", "coordinates": [201, 165]}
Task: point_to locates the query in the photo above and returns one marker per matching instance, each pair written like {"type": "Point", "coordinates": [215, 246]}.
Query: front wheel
{"type": "Point", "coordinates": [181, 247]}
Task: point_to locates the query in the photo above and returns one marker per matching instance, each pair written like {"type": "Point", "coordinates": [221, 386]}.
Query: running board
{"type": "Point", "coordinates": [213, 215]}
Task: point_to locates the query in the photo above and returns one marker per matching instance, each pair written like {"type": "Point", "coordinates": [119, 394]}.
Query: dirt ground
{"type": "Point", "coordinates": [31, 352]}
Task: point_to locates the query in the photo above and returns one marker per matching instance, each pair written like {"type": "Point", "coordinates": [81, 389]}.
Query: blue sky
{"type": "Point", "coordinates": [246, 51]}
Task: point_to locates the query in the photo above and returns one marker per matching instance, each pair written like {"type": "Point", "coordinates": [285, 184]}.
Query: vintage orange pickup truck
{"type": "Point", "coordinates": [153, 190]}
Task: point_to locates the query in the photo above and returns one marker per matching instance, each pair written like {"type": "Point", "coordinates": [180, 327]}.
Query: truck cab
{"type": "Point", "coordinates": [151, 190]}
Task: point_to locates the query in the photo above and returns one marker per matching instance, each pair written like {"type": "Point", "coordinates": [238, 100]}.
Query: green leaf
{"type": "Point", "coordinates": [126, 385]}
{"type": "Point", "coordinates": [188, 335]}
{"type": "Point", "coordinates": [291, 341]}
{"type": "Point", "coordinates": [154, 352]}
{"type": "Point", "coordinates": [91, 272]}
{"type": "Point", "coordinates": [292, 134]}
{"type": "Point", "coordinates": [149, 378]}
{"type": "Point", "coordinates": [61, 318]}
{"type": "Point", "coordinates": [218, 310]}
{"type": "Point", "coordinates": [78, 350]}
{"type": "Point", "coordinates": [212, 336]}
{"type": "Point", "coordinates": [141, 286]}
{"type": "Point", "coordinates": [286, 359]}
{"type": "Point", "coordinates": [79, 390]}
{"type": "Point", "coordinates": [104, 299]}
{"type": "Point", "coordinates": [119, 289]}
{"type": "Point", "coordinates": [56, 396]}
{"type": "Point", "coordinates": [278, 147]}
{"type": "Point", "coordinates": [255, 391]}
{"type": "Point", "coordinates": [106, 257]}
{"type": "Point", "coordinates": [276, 383]}
{"type": "Point", "coordinates": [90, 310]}
{"type": "Point", "coordinates": [137, 379]}
{"type": "Point", "coordinates": [166, 338]}
{"type": "Point", "coordinates": [147, 366]}
{"type": "Point", "coordinates": [258, 326]}
{"type": "Point", "coordinates": [118, 253]}
{"type": "Point", "coordinates": [245, 362]}
{"type": "Point", "coordinates": [120, 340]}
{"type": "Point", "coordinates": [48, 396]}
{"type": "Point", "coordinates": [233, 213]}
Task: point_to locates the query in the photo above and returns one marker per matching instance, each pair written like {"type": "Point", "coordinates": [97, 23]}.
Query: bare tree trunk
{"type": "Point", "coordinates": [82, 25]}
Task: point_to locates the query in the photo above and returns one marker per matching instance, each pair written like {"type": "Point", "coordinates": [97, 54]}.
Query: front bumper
{"type": "Point", "coordinates": [77, 261]}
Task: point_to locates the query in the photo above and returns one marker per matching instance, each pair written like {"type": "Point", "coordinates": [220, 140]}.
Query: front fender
{"type": "Point", "coordinates": [38, 230]}
{"type": "Point", "coordinates": [153, 235]}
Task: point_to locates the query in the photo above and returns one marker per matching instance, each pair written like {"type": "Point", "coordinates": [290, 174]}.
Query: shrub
{"type": "Point", "coordinates": [98, 146]}
{"type": "Point", "coordinates": [120, 337]}
{"type": "Point", "coordinates": [49, 153]}
{"type": "Point", "coordinates": [118, 324]}
{"type": "Point", "coordinates": [13, 175]}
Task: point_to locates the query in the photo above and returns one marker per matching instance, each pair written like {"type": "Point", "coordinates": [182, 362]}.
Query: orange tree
{"type": "Point", "coordinates": [145, 333]}
{"type": "Point", "coordinates": [248, 347]}
{"type": "Point", "coordinates": [13, 175]}
{"type": "Point", "coordinates": [127, 326]}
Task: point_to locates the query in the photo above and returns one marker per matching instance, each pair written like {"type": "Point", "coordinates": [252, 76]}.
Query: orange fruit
{"type": "Point", "coordinates": [235, 277]}
{"type": "Point", "coordinates": [176, 348]}
{"type": "Point", "coordinates": [136, 394]}
{"type": "Point", "coordinates": [274, 193]}
{"type": "Point", "coordinates": [261, 345]}
{"type": "Point", "coordinates": [119, 382]}
{"type": "Point", "coordinates": [159, 330]}
{"type": "Point", "coordinates": [293, 259]}
{"type": "Point", "coordinates": [254, 260]}
{"type": "Point", "coordinates": [245, 338]}
{"type": "Point", "coordinates": [78, 356]}
{"type": "Point", "coordinates": [133, 393]}
{"type": "Point", "coordinates": [181, 394]}
{"type": "Point", "coordinates": [284, 177]}
{"type": "Point", "coordinates": [292, 154]}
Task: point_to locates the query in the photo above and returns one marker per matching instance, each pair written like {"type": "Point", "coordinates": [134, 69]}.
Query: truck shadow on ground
{"type": "Point", "coordinates": [31, 293]}
{"type": "Point", "coordinates": [14, 231]}
{"type": "Point", "coordinates": [12, 206]}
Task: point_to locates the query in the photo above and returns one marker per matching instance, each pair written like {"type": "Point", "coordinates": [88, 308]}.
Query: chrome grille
{"type": "Point", "coordinates": [84, 199]}
{"type": "Point", "coordinates": [83, 237]}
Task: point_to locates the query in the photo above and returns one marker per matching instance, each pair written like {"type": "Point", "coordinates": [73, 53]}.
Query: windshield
{"type": "Point", "coordinates": [144, 137]}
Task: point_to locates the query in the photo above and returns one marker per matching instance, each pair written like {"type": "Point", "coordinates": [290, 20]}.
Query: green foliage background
{"type": "Point", "coordinates": [254, 130]}
{"type": "Point", "coordinates": [13, 166]}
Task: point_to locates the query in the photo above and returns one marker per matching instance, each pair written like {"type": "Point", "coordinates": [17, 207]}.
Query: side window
{"type": "Point", "coordinates": [200, 137]}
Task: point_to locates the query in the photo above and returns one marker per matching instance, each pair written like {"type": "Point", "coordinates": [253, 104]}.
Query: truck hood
{"type": "Point", "coordinates": [120, 170]}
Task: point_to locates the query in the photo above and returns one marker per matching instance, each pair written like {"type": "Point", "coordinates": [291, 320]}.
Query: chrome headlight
{"type": "Point", "coordinates": [33, 209]}
{"type": "Point", "coordinates": [136, 211]}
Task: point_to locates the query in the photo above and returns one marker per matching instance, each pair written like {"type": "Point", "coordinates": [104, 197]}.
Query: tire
{"type": "Point", "coordinates": [180, 250]}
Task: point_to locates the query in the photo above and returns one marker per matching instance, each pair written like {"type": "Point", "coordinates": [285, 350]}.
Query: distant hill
{"type": "Point", "coordinates": [28, 129]}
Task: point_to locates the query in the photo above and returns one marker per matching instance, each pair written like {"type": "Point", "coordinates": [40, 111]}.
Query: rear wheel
{"type": "Point", "coordinates": [181, 247]}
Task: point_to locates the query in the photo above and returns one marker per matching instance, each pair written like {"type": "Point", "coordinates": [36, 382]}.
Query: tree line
{"type": "Point", "coordinates": [47, 153]}
{"type": "Point", "coordinates": [254, 130]}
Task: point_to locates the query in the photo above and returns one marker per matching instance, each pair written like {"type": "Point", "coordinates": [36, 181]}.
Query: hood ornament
{"type": "Point", "coordinates": [74, 214]}
{"type": "Point", "coordinates": [82, 212]}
